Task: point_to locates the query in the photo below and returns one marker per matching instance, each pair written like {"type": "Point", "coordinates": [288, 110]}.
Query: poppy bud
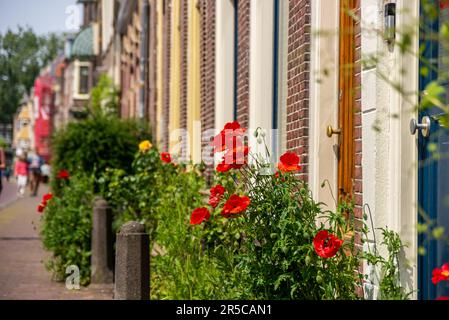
{"type": "Point", "coordinates": [319, 279]}
{"type": "Point", "coordinates": [256, 133]}
{"type": "Point", "coordinates": [308, 260]}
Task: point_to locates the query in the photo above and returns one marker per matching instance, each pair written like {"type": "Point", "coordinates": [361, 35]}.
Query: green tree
{"type": "Point", "coordinates": [22, 55]}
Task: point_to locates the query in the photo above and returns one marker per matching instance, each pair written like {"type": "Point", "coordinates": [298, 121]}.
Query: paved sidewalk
{"type": "Point", "coordinates": [9, 193]}
{"type": "Point", "coordinates": [22, 257]}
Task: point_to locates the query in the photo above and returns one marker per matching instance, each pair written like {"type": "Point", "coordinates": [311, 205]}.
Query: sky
{"type": "Point", "coordinates": [42, 15]}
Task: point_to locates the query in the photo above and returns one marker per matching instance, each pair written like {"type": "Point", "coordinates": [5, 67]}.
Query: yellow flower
{"type": "Point", "coordinates": [145, 145]}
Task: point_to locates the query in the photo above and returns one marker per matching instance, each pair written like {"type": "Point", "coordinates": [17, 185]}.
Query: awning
{"type": "Point", "coordinates": [83, 45]}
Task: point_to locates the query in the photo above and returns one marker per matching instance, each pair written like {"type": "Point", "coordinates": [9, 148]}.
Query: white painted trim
{"type": "Point", "coordinates": [323, 107]}
{"type": "Point", "coordinates": [261, 70]}
{"type": "Point", "coordinates": [282, 76]}
{"type": "Point", "coordinates": [224, 62]}
{"type": "Point", "coordinates": [389, 153]}
{"type": "Point", "coordinates": [406, 180]}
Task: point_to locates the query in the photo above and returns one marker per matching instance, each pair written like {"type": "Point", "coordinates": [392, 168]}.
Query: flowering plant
{"type": "Point", "coordinates": [283, 251]}
{"type": "Point", "coordinates": [289, 246]}
{"type": "Point", "coordinates": [41, 207]}
{"type": "Point", "coordinates": [439, 275]}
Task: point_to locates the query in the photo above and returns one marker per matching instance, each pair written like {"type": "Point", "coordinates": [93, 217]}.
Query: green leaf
{"type": "Point", "coordinates": [438, 232]}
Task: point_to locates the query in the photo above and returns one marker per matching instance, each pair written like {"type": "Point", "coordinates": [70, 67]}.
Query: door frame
{"type": "Point", "coordinates": [323, 94]}
{"type": "Point", "coordinates": [346, 100]}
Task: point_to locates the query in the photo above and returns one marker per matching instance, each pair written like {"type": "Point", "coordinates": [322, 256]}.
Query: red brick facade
{"type": "Point", "coordinates": [207, 70]}
{"type": "Point", "coordinates": [166, 48]}
{"type": "Point", "coordinates": [358, 192]}
{"type": "Point", "coordinates": [298, 81]}
{"type": "Point", "coordinates": [298, 77]}
{"type": "Point", "coordinates": [243, 44]}
{"type": "Point", "coordinates": [152, 74]}
{"type": "Point", "coordinates": [183, 71]}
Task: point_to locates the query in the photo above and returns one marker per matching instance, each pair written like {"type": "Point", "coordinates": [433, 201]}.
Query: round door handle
{"type": "Point", "coordinates": [331, 131]}
{"type": "Point", "coordinates": [424, 126]}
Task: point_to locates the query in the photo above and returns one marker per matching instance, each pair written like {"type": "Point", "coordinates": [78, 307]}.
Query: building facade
{"type": "Point", "coordinates": [324, 78]}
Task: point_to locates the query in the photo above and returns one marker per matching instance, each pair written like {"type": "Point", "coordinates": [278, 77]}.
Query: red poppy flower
{"type": "Point", "coordinates": [229, 137]}
{"type": "Point", "coordinates": [40, 208]}
{"type": "Point", "coordinates": [199, 215]}
{"type": "Point", "coordinates": [289, 162]}
{"type": "Point", "coordinates": [63, 174]}
{"type": "Point", "coordinates": [165, 157]}
{"type": "Point", "coordinates": [236, 155]}
{"type": "Point", "coordinates": [223, 167]}
{"type": "Point", "coordinates": [46, 197]}
{"type": "Point", "coordinates": [235, 205]}
{"type": "Point", "coordinates": [216, 193]}
{"type": "Point", "coordinates": [440, 274]}
{"type": "Point", "coordinates": [326, 244]}
{"type": "Point", "coordinates": [234, 125]}
{"type": "Point", "coordinates": [442, 298]}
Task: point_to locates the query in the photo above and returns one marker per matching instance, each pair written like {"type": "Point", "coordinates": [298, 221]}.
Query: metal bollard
{"type": "Point", "coordinates": [132, 264]}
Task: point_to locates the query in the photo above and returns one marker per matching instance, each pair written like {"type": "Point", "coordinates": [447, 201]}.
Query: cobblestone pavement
{"type": "Point", "coordinates": [22, 257]}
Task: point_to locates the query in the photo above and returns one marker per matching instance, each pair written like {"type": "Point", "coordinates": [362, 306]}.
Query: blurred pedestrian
{"type": "Point", "coordinates": [2, 166]}
{"type": "Point", "coordinates": [35, 162]}
{"type": "Point", "coordinates": [21, 174]}
{"type": "Point", "coordinates": [7, 173]}
{"type": "Point", "coordinates": [45, 172]}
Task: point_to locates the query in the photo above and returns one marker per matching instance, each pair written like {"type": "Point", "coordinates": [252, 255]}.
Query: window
{"type": "Point", "coordinates": [84, 80]}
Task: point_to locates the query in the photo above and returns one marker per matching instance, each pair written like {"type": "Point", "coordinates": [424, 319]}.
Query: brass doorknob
{"type": "Point", "coordinates": [331, 131]}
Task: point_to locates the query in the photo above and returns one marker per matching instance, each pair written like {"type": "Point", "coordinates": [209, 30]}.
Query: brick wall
{"type": "Point", "coordinates": [183, 77]}
{"type": "Point", "coordinates": [152, 70]}
{"type": "Point", "coordinates": [358, 192]}
{"type": "Point", "coordinates": [243, 62]}
{"type": "Point", "coordinates": [298, 78]}
{"type": "Point", "coordinates": [166, 43]}
{"type": "Point", "coordinates": [207, 71]}
{"type": "Point", "coordinates": [298, 81]}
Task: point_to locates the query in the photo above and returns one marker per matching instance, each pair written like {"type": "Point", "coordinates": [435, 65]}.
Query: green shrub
{"type": "Point", "coordinates": [105, 97]}
{"type": "Point", "coordinates": [94, 144]}
{"type": "Point", "coordinates": [66, 229]}
{"type": "Point", "coordinates": [162, 196]}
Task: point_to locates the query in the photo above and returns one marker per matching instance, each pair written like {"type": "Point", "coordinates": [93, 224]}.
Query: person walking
{"type": "Point", "coordinates": [35, 163]}
{"type": "Point", "coordinates": [2, 166]}
{"type": "Point", "coordinates": [45, 172]}
{"type": "Point", "coordinates": [21, 174]}
{"type": "Point", "coordinates": [7, 172]}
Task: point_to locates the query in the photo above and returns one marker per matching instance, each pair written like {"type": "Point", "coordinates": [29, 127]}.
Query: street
{"type": "Point", "coordinates": [22, 257]}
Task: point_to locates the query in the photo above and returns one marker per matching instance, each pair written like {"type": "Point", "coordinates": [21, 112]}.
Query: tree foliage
{"type": "Point", "coordinates": [22, 55]}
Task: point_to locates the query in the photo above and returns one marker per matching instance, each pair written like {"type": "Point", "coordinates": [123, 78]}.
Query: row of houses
{"type": "Point", "coordinates": [304, 71]}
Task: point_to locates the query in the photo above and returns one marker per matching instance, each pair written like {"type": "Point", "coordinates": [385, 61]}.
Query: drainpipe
{"type": "Point", "coordinates": [143, 59]}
